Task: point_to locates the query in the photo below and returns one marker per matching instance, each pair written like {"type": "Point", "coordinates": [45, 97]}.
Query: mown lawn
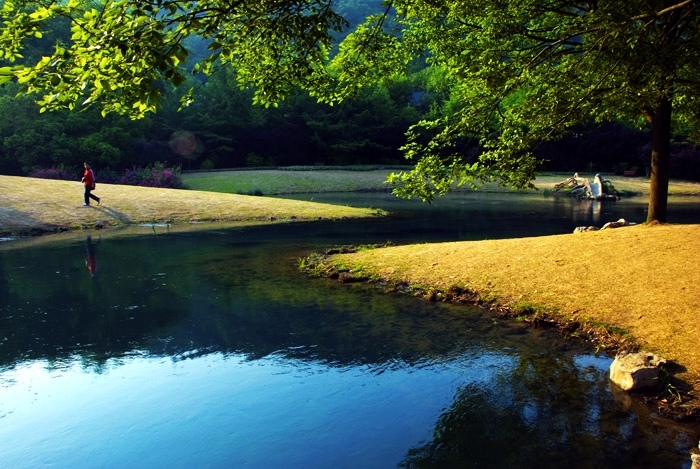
{"type": "Point", "coordinates": [294, 181]}
{"type": "Point", "coordinates": [276, 181]}
{"type": "Point", "coordinates": [31, 205]}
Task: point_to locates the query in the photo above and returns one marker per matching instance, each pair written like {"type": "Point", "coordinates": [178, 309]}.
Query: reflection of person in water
{"type": "Point", "coordinates": [91, 259]}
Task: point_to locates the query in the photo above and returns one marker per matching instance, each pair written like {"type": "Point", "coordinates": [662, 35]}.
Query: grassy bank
{"type": "Point", "coordinates": [33, 206]}
{"type": "Point", "coordinates": [276, 181]}
{"type": "Point", "coordinates": [639, 282]}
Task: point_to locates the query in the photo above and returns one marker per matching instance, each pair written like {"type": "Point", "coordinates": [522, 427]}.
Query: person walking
{"type": "Point", "coordinates": [88, 181]}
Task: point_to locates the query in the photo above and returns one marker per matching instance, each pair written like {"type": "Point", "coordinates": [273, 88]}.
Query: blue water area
{"type": "Point", "coordinates": [210, 349]}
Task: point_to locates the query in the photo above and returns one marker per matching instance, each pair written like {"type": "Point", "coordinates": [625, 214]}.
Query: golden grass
{"type": "Point", "coordinates": [29, 203]}
{"type": "Point", "coordinates": [643, 279]}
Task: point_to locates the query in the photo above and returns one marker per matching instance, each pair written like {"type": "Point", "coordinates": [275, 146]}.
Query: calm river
{"type": "Point", "coordinates": [209, 349]}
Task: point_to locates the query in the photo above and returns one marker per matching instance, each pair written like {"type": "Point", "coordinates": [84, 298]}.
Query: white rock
{"type": "Point", "coordinates": [636, 371]}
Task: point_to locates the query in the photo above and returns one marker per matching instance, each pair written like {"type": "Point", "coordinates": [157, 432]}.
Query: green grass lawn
{"type": "Point", "coordinates": [277, 181]}
{"type": "Point", "coordinates": [316, 180]}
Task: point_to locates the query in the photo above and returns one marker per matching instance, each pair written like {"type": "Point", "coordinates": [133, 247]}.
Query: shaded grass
{"type": "Point", "coordinates": [34, 205]}
{"type": "Point", "coordinates": [276, 181]}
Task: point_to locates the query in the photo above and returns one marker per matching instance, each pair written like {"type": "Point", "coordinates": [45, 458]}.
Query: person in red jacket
{"type": "Point", "coordinates": [88, 181]}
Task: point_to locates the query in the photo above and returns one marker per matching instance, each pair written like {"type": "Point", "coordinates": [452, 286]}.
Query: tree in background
{"type": "Point", "coordinates": [62, 139]}
{"type": "Point", "coordinates": [523, 71]}
{"type": "Point", "coordinates": [529, 71]}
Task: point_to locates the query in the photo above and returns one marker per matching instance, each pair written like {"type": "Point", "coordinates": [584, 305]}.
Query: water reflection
{"type": "Point", "coordinates": [210, 349]}
{"type": "Point", "coordinates": [91, 255]}
{"type": "Point", "coordinates": [590, 434]}
{"type": "Point", "coordinates": [213, 292]}
{"type": "Point", "coordinates": [491, 216]}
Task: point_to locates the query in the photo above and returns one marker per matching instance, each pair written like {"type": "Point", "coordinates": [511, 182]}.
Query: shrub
{"type": "Point", "coordinates": [55, 173]}
{"type": "Point", "coordinates": [108, 176]}
{"type": "Point", "coordinates": [207, 164]}
{"type": "Point", "coordinates": [685, 162]}
{"type": "Point", "coordinates": [156, 176]}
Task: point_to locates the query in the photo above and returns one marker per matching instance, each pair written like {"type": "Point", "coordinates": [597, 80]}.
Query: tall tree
{"type": "Point", "coordinates": [525, 71]}
{"type": "Point", "coordinates": [529, 70]}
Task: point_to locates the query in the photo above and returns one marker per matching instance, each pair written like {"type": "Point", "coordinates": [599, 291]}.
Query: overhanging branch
{"type": "Point", "coordinates": [665, 11]}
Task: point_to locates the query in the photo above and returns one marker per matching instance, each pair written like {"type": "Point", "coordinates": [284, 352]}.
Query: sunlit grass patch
{"type": "Point", "coordinates": [638, 282]}
{"type": "Point", "coordinates": [52, 205]}
{"type": "Point", "coordinates": [277, 181]}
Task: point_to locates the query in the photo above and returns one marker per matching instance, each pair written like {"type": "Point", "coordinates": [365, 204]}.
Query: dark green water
{"type": "Point", "coordinates": [209, 349]}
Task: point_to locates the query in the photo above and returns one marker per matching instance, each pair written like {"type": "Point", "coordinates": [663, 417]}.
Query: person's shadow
{"type": "Point", "coordinates": [91, 258]}
{"type": "Point", "coordinates": [114, 214]}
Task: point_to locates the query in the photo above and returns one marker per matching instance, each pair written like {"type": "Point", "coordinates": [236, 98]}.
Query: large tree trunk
{"type": "Point", "coordinates": [660, 160]}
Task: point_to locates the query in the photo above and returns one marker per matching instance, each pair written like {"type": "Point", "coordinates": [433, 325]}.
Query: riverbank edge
{"type": "Point", "coordinates": [33, 207]}
{"type": "Point", "coordinates": [675, 402]}
{"type": "Point", "coordinates": [26, 198]}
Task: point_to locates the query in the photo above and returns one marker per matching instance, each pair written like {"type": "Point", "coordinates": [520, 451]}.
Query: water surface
{"type": "Point", "coordinates": [209, 349]}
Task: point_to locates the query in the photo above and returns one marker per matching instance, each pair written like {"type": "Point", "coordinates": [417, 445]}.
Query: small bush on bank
{"type": "Point", "coordinates": [156, 176]}
{"type": "Point", "coordinates": [55, 173]}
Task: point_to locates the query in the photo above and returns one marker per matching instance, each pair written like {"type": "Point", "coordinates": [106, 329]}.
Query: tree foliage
{"type": "Point", "coordinates": [520, 72]}
{"type": "Point", "coordinates": [121, 51]}
{"type": "Point", "coordinates": [528, 71]}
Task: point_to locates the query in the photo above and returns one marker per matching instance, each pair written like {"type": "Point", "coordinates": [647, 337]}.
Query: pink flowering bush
{"type": "Point", "coordinates": [55, 173]}
{"type": "Point", "coordinates": [156, 176]}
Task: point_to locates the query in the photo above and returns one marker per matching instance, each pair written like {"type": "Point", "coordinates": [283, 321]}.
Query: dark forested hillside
{"type": "Point", "coordinates": [223, 129]}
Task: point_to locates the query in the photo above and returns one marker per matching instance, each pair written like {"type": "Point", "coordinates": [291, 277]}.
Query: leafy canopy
{"type": "Point", "coordinates": [527, 71]}
{"type": "Point", "coordinates": [121, 52]}
{"type": "Point", "coordinates": [520, 71]}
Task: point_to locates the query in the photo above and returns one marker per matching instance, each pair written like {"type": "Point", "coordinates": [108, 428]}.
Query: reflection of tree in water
{"type": "Point", "coordinates": [545, 413]}
{"type": "Point", "coordinates": [268, 306]}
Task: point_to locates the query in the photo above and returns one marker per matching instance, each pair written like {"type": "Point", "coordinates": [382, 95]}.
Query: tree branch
{"type": "Point", "coordinates": [665, 11]}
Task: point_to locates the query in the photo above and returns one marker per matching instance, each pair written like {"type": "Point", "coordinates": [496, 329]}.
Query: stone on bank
{"type": "Point", "coordinates": [636, 371]}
